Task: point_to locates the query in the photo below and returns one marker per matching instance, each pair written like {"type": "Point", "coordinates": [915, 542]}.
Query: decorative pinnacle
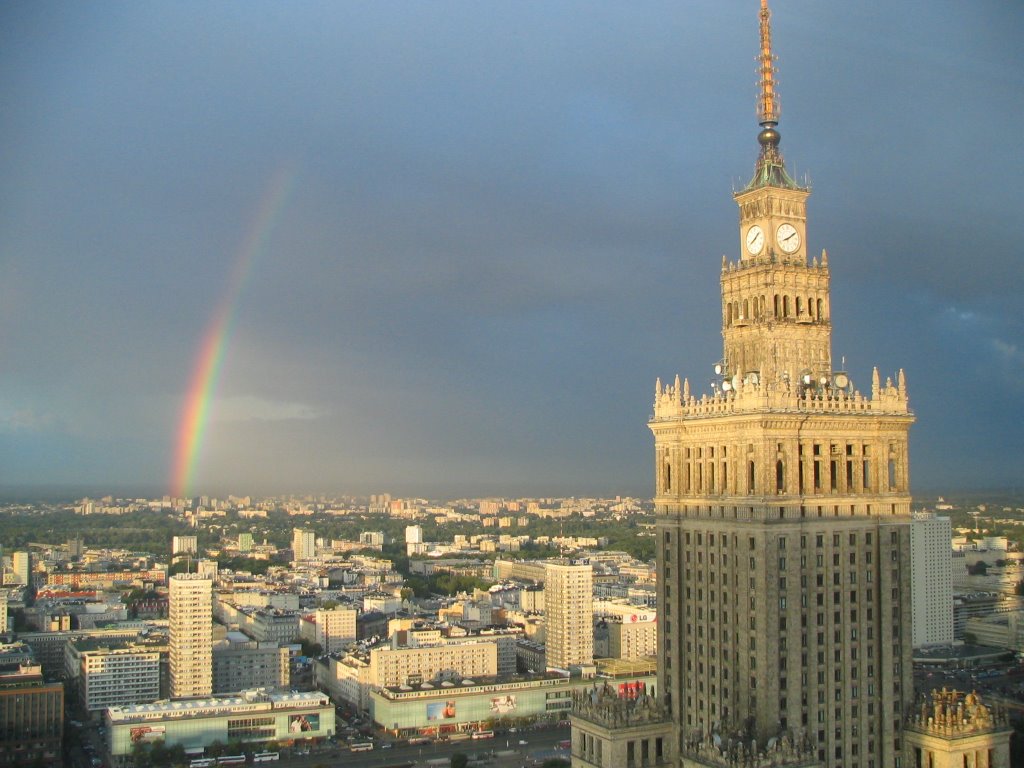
{"type": "Point", "coordinates": [767, 102]}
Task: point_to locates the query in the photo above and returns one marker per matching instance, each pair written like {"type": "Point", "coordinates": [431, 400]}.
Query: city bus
{"type": "Point", "coordinates": [362, 746]}
{"type": "Point", "coordinates": [266, 757]}
{"type": "Point", "coordinates": [483, 734]}
{"type": "Point", "coordinates": [202, 762]}
{"type": "Point", "coordinates": [231, 760]}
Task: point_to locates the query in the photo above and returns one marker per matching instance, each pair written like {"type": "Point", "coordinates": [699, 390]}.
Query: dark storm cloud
{"type": "Point", "coordinates": [503, 223]}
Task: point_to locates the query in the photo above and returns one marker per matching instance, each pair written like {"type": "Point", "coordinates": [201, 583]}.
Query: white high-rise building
{"type": "Point", "coordinates": [931, 579]}
{"type": "Point", "coordinates": [414, 540]}
{"type": "Point", "coordinates": [303, 544]}
{"type": "Point", "coordinates": [22, 566]}
{"type": "Point", "coordinates": [191, 635]}
{"type": "Point", "coordinates": [182, 545]}
{"type": "Point", "coordinates": [569, 614]}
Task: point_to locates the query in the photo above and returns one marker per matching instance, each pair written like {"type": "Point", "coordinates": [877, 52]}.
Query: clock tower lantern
{"type": "Point", "coordinates": [775, 313]}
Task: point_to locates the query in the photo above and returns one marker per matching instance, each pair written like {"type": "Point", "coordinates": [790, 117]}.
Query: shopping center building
{"type": "Point", "coordinates": [434, 709]}
{"type": "Point", "coordinates": [253, 716]}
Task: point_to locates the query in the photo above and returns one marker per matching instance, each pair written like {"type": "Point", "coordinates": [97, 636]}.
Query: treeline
{"type": "Point", "coordinates": [152, 531]}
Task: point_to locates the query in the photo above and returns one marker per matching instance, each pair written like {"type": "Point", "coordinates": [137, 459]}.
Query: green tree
{"type": "Point", "coordinates": [140, 755]}
{"type": "Point", "coordinates": [177, 754]}
{"type": "Point", "coordinates": [311, 649]}
{"type": "Point", "coordinates": [159, 754]}
{"type": "Point", "coordinates": [459, 760]}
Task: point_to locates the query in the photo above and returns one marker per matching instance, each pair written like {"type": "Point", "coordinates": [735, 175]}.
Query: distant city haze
{"type": "Point", "coordinates": [445, 249]}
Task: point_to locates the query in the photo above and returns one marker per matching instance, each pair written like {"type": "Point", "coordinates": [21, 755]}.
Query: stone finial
{"type": "Point", "coordinates": [901, 379]}
{"type": "Point", "coordinates": [657, 388]}
{"type": "Point", "coordinates": [678, 390]}
{"type": "Point", "coordinates": [876, 385]}
{"type": "Point", "coordinates": [824, 258]}
{"type": "Point", "coordinates": [725, 263]}
{"type": "Point", "coordinates": [686, 389]}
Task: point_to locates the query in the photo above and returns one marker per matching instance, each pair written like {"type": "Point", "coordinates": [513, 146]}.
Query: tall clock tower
{"type": "Point", "coordinates": [783, 513]}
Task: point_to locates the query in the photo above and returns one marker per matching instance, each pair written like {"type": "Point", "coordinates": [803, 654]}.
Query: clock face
{"type": "Point", "coordinates": [788, 238]}
{"type": "Point", "coordinates": [754, 240]}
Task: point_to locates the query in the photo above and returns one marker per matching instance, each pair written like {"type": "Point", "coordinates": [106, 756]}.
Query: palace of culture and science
{"type": "Point", "coordinates": [783, 510]}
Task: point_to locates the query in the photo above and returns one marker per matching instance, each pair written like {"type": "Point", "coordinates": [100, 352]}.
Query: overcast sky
{"type": "Point", "coordinates": [498, 224]}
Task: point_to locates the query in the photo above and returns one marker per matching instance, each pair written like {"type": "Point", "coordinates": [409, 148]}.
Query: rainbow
{"type": "Point", "coordinates": [210, 360]}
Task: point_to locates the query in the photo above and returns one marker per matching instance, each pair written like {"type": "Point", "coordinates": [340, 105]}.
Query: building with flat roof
{"type": "Point", "coordinates": [480, 702]}
{"type": "Point", "coordinates": [251, 717]}
{"type": "Point", "coordinates": [191, 635]}
{"type": "Point", "coordinates": [241, 664]}
{"type": "Point", "coordinates": [114, 674]}
{"type": "Point", "coordinates": [931, 579]}
{"type": "Point", "coordinates": [569, 614]}
{"type": "Point", "coordinates": [303, 544]}
{"type": "Point", "coordinates": [31, 718]}
{"type": "Point", "coordinates": [185, 545]}
{"type": "Point", "coordinates": [331, 629]}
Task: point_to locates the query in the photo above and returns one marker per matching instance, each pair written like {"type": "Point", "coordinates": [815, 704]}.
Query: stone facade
{"type": "Point", "coordinates": [952, 730]}
{"type": "Point", "coordinates": [614, 731]}
{"type": "Point", "coordinates": [783, 511]}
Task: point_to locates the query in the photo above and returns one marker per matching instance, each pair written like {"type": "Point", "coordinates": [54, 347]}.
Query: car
{"type": "Point", "coordinates": [389, 745]}
{"type": "Point", "coordinates": [523, 742]}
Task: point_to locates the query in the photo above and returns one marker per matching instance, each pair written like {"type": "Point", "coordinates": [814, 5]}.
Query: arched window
{"type": "Point", "coordinates": [750, 476]}
{"type": "Point", "coordinates": [780, 477]}
{"type": "Point", "coordinates": [668, 476]}
{"type": "Point", "coordinates": [785, 306]}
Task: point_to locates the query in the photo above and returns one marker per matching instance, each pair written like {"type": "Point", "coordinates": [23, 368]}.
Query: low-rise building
{"type": "Point", "coordinates": [254, 716]}
{"type": "Point", "coordinates": [480, 703]}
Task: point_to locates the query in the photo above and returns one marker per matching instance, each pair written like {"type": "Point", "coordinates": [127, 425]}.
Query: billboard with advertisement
{"type": "Point", "coordinates": [503, 705]}
{"type": "Point", "coordinates": [298, 724]}
{"type": "Point", "coordinates": [147, 733]}
{"type": "Point", "coordinates": [441, 711]}
{"type": "Point", "coordinates": [639, 618]}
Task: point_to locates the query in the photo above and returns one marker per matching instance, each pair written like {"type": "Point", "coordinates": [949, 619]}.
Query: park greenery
{"type": "Point", "coordinates": [149, 531]}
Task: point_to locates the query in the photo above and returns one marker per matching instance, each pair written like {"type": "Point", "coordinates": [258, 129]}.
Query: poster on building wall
{"type": "Point", "coordinates": [439, 711]}
{"type": "Point", "coordinates": [503, 705]}
{"type": "Point", "coordinates": [303, 723]}
{"type": "Point", "coordinates": [147, 733]}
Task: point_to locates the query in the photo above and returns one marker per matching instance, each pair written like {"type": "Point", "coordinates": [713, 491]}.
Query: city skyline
{"type": "Point", "coordinates": [441, 249]}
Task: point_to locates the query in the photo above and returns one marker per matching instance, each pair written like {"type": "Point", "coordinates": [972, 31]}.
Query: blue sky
{"type": "Point", "coordinates": [504, 221]}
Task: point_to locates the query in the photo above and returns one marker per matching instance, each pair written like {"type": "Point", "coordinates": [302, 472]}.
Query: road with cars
{"type": "Point", "coordinates": [506, 750]}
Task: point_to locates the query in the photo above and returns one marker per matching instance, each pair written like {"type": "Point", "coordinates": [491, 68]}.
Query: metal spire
{"type": "Point", "coordinates": [771, 168]}
{"type": "Point", "coordinates": [767, 102]}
